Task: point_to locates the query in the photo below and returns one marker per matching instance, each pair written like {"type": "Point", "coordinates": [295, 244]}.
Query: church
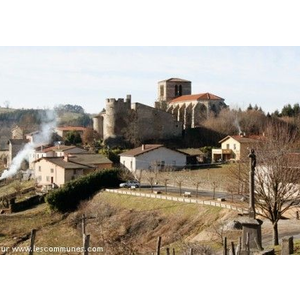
{"type": "Point", "coordinates": [175, 97]}
{"type": "Point", "coordinates": [175, 110]}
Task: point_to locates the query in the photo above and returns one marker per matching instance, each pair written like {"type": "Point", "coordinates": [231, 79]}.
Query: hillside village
{"type": "Point", "coordinates": [190, 148]}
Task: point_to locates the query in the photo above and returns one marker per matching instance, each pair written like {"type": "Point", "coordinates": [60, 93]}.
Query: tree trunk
{"type": "Point", "coordinates": [275, 234]}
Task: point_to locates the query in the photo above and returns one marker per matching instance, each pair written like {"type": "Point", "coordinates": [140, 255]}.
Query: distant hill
{"type": "Point", "coordinates": [30, 119]}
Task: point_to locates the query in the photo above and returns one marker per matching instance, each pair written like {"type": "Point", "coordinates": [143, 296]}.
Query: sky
{"type": "Point", "coordinates": [41, 77]}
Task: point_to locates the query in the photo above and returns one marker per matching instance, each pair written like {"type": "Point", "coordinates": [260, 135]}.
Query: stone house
{"type": "Point", "coordinates": [56, 171]}
{"type": "Point", "coordinates": [17, 133]}
{"type": "Point", "coordinates": [235, 147]}
{"type": "Point", "coordinates": [151, 156]}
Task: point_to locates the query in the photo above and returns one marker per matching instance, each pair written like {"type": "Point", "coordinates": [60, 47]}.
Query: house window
{"type": "Point", "coordinates": [234, 146]}
{"type": "Point", "coordinates": [52, 170]}
{"type": "Point", "coordinates": [227, 146]}
{"type": "Point", "coordinates": [74, 172]}
{"type": "Point", "coordinates": [131, 165]}
{"type": "Point", "coordinates": [162, 163]}
{"type": "Point", "coordinates": [47, 178]}
{"type": "Point", "coordinates": [40, 169]}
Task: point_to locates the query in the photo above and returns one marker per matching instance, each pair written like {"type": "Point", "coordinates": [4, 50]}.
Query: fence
{"type": "Point", "coordinates": [181, 199]}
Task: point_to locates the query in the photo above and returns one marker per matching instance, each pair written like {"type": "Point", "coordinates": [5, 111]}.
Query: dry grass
{"type": "Point", "coordinates": [13, 186]}
{"type": "Point", "coordinates": [52, 229]}
{"type": "Point", "coordinates": [119, 223]}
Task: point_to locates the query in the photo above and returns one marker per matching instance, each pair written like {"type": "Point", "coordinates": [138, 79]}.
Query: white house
{"type": "Point", "coordinates": [150, 156]}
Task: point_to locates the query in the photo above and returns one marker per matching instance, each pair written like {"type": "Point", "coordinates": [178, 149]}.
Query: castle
{"type": "Point", "coordinates": [175, 109]}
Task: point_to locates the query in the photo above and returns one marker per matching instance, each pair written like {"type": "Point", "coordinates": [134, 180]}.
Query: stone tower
{"type": "Point", "coordinates": [116, 117]}
{"type": "Point", "coordinates": [98, 124]}
{"type": "Point", "coordinates": [170, 89]}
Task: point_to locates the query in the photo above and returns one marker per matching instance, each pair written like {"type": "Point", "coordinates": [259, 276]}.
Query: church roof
{"type": "Point", "coordinates": [204, 96]}
{"type": "Point", "coordinates": [175, 80]}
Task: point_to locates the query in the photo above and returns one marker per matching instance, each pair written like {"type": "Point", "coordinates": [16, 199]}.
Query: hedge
{"type": "Point", "coordinates": [68, 197]}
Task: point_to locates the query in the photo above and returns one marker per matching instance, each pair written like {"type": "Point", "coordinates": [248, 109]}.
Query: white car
{"type": "Point", "coordinates": [130, 184]}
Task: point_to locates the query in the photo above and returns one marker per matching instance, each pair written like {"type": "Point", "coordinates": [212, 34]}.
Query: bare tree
{"type": "Point", "coordinates": [277, 175]}
{"type": "Point", "coordinates": [179, 180]}
{"type": "Point", "coordinates": [214, 185]}
{"type": "Point", "coordinates": [138, 174]}
{"type": "Point", "coordinates": [125, 174]}
{"type": "Point", "coordinates": [150, 176]}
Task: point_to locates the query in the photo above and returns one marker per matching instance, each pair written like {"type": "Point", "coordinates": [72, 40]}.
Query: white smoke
{"type": "Point", "coordinates": [43, 137]}
{"type": "Point", "coordinates": [237, 124]}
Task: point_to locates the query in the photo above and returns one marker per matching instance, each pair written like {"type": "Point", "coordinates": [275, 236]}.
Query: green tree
{"type": "Point", "coordinates": [287, 111]}
{"type": "Point", "coordinates": [73, 138]}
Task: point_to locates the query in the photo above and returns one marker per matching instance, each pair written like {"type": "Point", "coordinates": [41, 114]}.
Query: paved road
{"type": "Point", "coordinates": [204, 193]}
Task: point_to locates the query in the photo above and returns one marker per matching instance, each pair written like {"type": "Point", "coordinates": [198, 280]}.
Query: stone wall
{"type": "Point", "coordinates": [135, 123]}
{"type": "Point", "coordinates": [155, 124]}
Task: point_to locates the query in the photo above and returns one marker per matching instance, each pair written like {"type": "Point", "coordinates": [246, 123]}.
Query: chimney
{"type": "Point", "coordinates": [143, 147]}
{"type": "Point", "coordinates": [66, 157]}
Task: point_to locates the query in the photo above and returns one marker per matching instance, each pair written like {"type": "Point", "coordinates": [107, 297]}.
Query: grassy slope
{"type": "Point", "coordinates": [11, 187]}
{"type": "Point", "coordinates": [119, 224]}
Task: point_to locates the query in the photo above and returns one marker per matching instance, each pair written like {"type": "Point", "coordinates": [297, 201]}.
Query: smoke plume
{"type": "Point", "coordinates": [43, 137]}
{"type": "Point", "coordinates": [237, 125]}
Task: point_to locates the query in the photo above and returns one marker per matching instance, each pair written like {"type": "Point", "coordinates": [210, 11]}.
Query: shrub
{"type": "Point", "coordinates": [69, 196]}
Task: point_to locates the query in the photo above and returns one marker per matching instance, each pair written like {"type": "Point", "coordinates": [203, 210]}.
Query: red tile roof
{"type": "Point", "coordinates": [58, 148]}
{"type": "Point", "coordinates": [204, 96]}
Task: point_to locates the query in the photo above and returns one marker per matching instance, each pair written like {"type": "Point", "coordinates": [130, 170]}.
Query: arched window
{"type": "Point", "coordinates": [176, 90]}
{"type": "Point", "coordinates": [161, 90]}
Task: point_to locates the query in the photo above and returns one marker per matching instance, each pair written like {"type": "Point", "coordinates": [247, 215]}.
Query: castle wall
{"type": "Point", "coordinates": [155, 124]}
